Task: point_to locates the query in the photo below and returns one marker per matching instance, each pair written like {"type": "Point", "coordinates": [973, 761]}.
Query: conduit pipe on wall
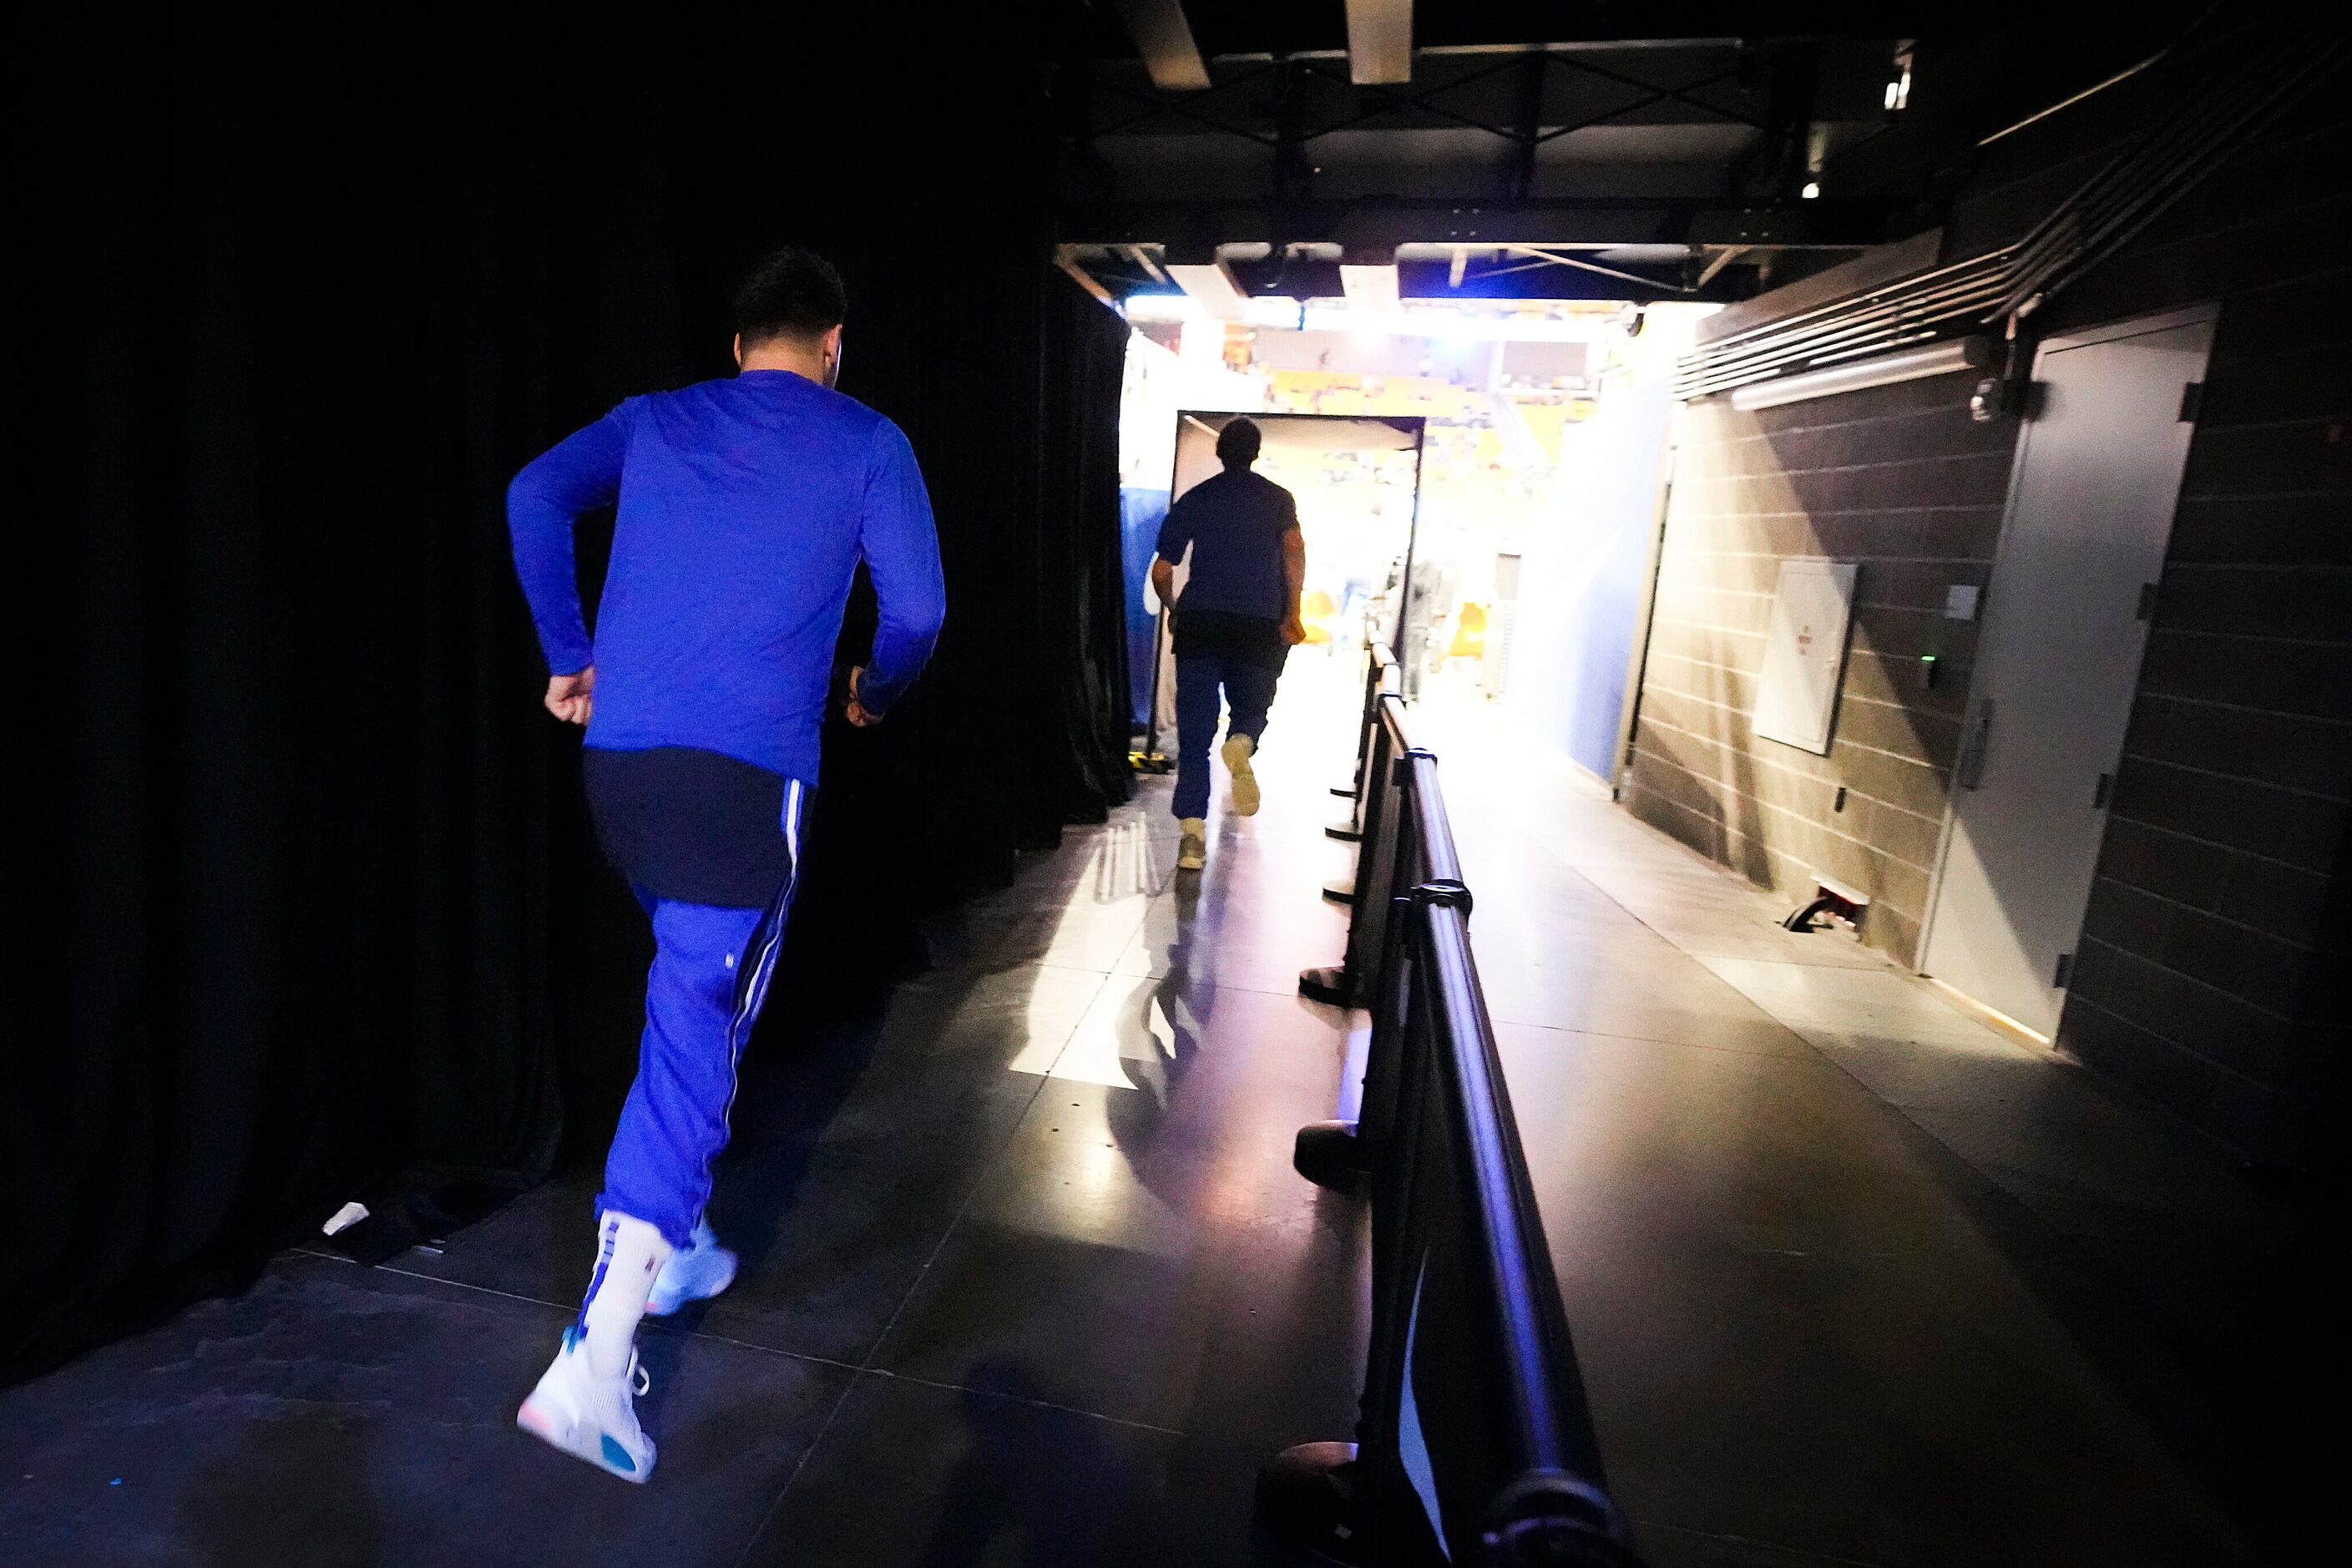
{"type": "Point", "coordinates": [1910, 364]}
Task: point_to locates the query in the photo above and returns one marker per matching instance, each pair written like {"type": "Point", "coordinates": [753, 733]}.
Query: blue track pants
{"type": "Point", "coordinates": [709, 976]}
{"type": "Point", "coordinates": [1247, 687]}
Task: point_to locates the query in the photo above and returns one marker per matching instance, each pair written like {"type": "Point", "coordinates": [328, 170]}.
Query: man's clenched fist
{"type": "Point", "coordinates": [568, 696]}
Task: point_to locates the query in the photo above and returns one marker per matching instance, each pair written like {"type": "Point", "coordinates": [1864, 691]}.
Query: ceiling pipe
{"type": "Point", "coordinates": [1380, 42]}
{"type": "Point", "coordinates": [1557, 259]}
{"type": "Point", "coordinates": [1164, 38]}
{"type": "Point", "coordinates": [1723, 259]}
{"type": "Point", "coordinates": [1910, 364]}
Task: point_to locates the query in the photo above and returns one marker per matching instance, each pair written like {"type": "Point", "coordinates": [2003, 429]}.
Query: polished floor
{"type": "Point", "coordinates": [1029, 1280]}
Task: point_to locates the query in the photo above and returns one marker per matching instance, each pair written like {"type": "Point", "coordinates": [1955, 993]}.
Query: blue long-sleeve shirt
{"type": "Point", "coordinates": [745, 506]}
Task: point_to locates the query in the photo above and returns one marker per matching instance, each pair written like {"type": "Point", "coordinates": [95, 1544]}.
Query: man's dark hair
{"type": "Point", "coordinates": [1238, 442]}
{"type": "Point", "coordinates": [791, 293]}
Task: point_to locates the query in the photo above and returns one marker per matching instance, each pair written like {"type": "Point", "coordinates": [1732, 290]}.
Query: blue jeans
{"type": "Point", "coordinates": [1246, 687]}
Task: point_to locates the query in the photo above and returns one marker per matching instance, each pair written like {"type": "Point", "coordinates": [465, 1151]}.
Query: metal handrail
{"type": "Point", "coordinates": [1493, 1458]}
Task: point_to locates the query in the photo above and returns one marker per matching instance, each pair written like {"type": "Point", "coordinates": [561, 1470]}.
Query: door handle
{"type": "Point", "coordinates": [1969, 770]}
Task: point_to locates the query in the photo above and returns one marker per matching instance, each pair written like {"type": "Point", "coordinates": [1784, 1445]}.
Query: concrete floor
{"type": "Point", "coordinates": [1029, 1278]}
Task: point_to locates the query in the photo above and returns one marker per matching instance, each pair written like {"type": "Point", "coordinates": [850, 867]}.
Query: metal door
{"type": "Point", "coordinates": [2066, 622]}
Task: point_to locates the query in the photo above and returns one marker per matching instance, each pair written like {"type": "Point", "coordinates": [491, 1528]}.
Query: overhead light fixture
{"type": "Point", "coordinates": [1212, 286]}
{"type": "Point", "coordinates": [1370, 289]}
{"type": "Point", "coordinates": [1164, 38]}
{"type": "Point", "coordinates": [1882, 370]}
{"type": "Point", "coordinates": [1159, 307]}
{"type": "Point", "coordinates": [1812, 191]}
{"type": "Point", "coordinates": [1380, 42]}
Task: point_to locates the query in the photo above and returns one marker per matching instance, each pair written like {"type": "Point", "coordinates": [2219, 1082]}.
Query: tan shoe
{"type": "Point", "coordinates": [1237, 762]}
{"type": "Point", "coordinates": [1192, 850]}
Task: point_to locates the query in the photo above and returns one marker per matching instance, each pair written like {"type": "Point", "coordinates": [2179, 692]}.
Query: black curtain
{"type": "Point", "coordinates": [1077, 462]}
{"type": "Point", "coordinates": [306, 908]}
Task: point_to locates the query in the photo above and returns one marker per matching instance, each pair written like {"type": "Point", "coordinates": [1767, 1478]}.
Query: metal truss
{"type": "Point", "coordinates": [1538, 66]}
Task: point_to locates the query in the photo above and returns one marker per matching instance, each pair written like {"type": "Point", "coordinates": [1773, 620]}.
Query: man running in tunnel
{"type": "Point", "coordinates": [1235, 625]}
{"type": "Point", "coordinates": [745, 506]}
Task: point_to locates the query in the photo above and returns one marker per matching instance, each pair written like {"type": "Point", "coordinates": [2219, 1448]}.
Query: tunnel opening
{"type": "Point", "coordinates": [1724, 353]}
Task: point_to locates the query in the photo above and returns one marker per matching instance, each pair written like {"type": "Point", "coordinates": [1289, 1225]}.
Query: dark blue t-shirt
{"type": "Point", "coordinates": [1234, 523]}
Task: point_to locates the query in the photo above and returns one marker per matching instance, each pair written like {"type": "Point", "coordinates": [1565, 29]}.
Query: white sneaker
{"type": "Point", "coordinates": [593, 1418]}
{"type": "Point", "coordinates": [1236, 754]}
{"type": "Point", "coordinates": [1193, 850]}
{"type": "Point", "coordinates": [695, 1272]}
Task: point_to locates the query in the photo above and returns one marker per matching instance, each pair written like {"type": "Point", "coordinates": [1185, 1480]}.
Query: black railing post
{"type": "Point", "coordinates": [1350, 982]}
{"type": "Point", "coordinates": [1341, 1501]}
{"type": "Point", "coordinates": [1473, 1441]}
{"type": "Point", "coordinates": [1376, 691]}
{"type": "Point", "coordinates": [1380, 1480]}
{"type": "Point", "coordinates": [1337, 1154]}
{"type": "Point", "coordinates": [1555, 1507]}
{"type": "Point", "coordinates": [1350, 829]}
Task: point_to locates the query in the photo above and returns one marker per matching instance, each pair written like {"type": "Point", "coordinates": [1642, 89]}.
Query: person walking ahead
{"type": "Point", "coordinates": [745, 506]}
{"type": "Point", "coordinates": [1235, 625]}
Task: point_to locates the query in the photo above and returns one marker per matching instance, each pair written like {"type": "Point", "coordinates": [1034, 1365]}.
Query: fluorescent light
{"type": "Point", "coordinates": [1159, 307]}
{"type": "Point", "coordinates": [1909, 364]}
{"type": "Point", "coordinates": [1380, 42]}
{"type": "Point", "coordinates": [1213, 288]}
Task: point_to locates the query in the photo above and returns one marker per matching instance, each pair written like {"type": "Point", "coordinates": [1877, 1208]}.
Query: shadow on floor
{"type": "Point", "coordinates": [293, 1494]}
{"type": "Point", "coordinates": [1061, 1513]}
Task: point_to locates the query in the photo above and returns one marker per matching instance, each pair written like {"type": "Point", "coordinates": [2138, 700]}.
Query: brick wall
{"type": "Point", "coordinates": [1898, 479]}
{"type": "Point", "coordinates": [2199, 980]}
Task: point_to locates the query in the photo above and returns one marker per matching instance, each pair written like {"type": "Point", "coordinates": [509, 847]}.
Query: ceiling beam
{"type": "Point", "coordinates": [1546, 222]}
{"type": "Point", "coordinates": [1212, 287]}
{"type": "Point", "coordinates": [1164, 38]}
{"type": "Point", "coordinates": [1380, 42]}
{"type": "Point", "coordinates": [1723, 259]}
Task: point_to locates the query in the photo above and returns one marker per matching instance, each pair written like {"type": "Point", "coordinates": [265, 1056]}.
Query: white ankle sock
{"type": "Point", "coordinates": [629, 1253]}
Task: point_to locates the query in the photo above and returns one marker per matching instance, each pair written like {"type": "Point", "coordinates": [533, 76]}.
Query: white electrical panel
{"type": "Point", "coordinates": [1804, 654]}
